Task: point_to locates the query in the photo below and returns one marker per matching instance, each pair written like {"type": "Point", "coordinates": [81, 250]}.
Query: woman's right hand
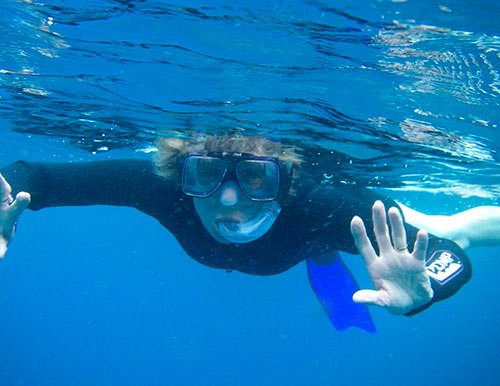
{"type": "Point", "coordinates": [10, 210]}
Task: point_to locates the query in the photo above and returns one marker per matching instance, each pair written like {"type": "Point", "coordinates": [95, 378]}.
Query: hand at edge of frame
{"type": "Point", "coordinates": [10, 210]}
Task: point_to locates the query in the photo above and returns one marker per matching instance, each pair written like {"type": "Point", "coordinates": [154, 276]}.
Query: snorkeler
{"type": "Point", "coordinates": [243, 203]}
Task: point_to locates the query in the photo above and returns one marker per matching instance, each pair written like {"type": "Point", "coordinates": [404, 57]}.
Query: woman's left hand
{"type": "Point", "coordinates": [400, 278]}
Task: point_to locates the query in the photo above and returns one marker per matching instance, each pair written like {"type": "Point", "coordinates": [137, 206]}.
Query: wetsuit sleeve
{"type": "Point", "coordinates": [130, 183]}
{"type": "Point", "coordinates": [448, 267]}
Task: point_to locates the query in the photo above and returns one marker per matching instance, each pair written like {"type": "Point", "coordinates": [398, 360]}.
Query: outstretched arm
{"type": "Point", "coordinates": [476, 227]}
{"type": "Point", "coordinates": [10, 210]}
{"type": "Point", "coordinates": [130, 183]}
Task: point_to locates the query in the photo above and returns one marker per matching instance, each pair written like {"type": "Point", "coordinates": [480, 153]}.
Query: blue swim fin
{"type": "Point", "coordinates": [334, 286]}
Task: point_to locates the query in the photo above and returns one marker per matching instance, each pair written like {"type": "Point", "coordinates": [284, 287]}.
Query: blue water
{"type": "Point", "coordinates": [408, 89]}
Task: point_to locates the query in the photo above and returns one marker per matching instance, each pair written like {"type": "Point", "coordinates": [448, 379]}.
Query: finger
{"type": "Point", "coordinates": [398, 231]}
{"type": "Point", "coordinates": [3, 247]}
{"type": "Point", "coordinates": [370, 297]}
{"type": "Point", "coordinates": [380, 227]}
{"type": "Point", "coordinates": [5, 189]}
{"type": "Point", "coordinates": [363, 243]}
{"type": "Point", "coordinates": [420, 248]}
{"type": "Point", "coordinates": [21, 202]}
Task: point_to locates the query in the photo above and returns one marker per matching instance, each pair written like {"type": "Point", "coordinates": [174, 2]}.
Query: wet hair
{"type": "Point", "coordinates": [171, 148]}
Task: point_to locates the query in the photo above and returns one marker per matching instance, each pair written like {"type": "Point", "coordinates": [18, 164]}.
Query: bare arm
{"type": "Point", "coordinates": [476, 227]}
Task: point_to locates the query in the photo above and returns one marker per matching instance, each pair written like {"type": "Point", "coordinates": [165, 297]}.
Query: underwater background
{"type": "Point", "coordinates": [105, 296]}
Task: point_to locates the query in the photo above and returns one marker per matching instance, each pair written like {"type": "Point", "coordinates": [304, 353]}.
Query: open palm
{"type": "Point", "coordinates": [400, 279]}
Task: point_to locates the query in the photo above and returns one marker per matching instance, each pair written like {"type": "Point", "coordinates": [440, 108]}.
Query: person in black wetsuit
{"type": "Point", "coordinates": [242, 203]}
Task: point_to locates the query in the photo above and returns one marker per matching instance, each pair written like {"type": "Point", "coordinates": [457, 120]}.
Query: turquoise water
{"type": "Point", "coordinates": [408, 89]}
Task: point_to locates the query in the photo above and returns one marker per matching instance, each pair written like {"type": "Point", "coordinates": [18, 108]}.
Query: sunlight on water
{"type": "Point", "coordinates": [403, 99]}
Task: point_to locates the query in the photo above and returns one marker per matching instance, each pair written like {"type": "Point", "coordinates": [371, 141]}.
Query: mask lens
{"type": "Point", "coordinates": [202, 175]}
{"type": "Point", "coordinates": [258, 179]}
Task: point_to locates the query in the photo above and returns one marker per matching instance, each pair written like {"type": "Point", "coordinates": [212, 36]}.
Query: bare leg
{"type": "Point", "coordinates": [476, 227]}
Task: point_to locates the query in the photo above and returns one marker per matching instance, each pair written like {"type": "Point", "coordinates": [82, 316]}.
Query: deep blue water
{"type": "Point", "coordinates": [409, 89]}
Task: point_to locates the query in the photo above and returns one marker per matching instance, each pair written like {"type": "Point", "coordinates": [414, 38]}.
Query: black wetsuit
{"type": "Point", "coordinates": [313, 222]}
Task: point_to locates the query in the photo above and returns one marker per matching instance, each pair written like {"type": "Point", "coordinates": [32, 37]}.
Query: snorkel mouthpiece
{"type": "Point", "coordinates": [241, 233]}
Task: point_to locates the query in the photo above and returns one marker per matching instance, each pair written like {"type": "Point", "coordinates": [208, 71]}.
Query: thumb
{"type": "Point", "coordinates": [370, 297]}
{"type": "Point", "coordinates": [21, 202]}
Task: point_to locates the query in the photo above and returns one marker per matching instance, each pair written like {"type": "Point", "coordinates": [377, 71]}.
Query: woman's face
{"type": "Point", "coordinates": [230, 217]}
